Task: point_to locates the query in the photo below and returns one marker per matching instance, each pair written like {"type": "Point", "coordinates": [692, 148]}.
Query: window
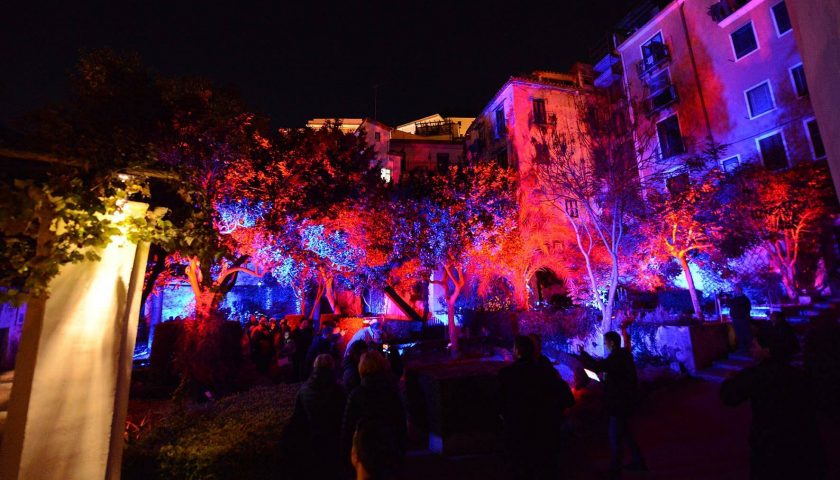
{"type": "Point", "coordinates": [773, 153]}
{"type": "Point", "coordinates": [377, 136]}
{"type": "Point", "coordinates": [730, 164]}
{"type": "Point", "coordinates": [502, 158]}
{"type": "Point", "coordinates": [743, 41]}
{"type": "Point", "coordinates": [500, 122]}
{"type": "Point", "coordinates": [678, 183]}
{"type": "Point", "coordinates": [572, 208]}
{"type": "Point", "coordinates": [797, 73]}
{"type": "Point", "coordinates": [442, 162]}
{"type": "Point", "coordinates": [670, 137]}
{"type": "Point", "coordinates": [653, 52]}
{"type": "Point", "coordinates": [539, 111]}
{"type": "Point", "coordinates": [541, 155]}
{"type": "Point", "coordinates": [817, 145]}
{"type": "Point", "coordinates": [780, 15]}
{"type": "Point", "coordinates": [385, 174]}
{"type": "Point", "coordinates": [760, 99]}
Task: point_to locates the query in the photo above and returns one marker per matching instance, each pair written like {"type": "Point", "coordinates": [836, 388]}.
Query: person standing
{"type": "Point", "coordinates": [326, 342]}
{"type": "Point", "coordinates": [739, 312]}
{"type": "Point", "coordinates": [319, 407]}
{"type": "Point", "coordinates": [621, 390]}
{"type": "Point", "coordinates": [350, 377]}
{"type": "Point", "coordinates": [376, 402]}
{"type": "Point", "coordinates": [533, 398]}
{"type": "Point", "coordinates": [302, 337]}
{"type": "Point", "coordinates": [784, 436]}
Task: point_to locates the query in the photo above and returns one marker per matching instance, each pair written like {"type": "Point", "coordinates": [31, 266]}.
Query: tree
{"type": "Point", "coordinates": [683, 223]}
{"type": "Point", "coordinates": [593, 171]}
{"type": "Point", "coordinates": [92, 144]}
{"type": "Point", "coordinates": [787, 212]}
{"type": "Point", "coordinates": [460, 216]}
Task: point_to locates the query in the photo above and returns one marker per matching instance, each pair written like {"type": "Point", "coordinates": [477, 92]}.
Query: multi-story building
{"type": "Point", "coordinates": [431, 143]}
{"type": "Point", "coordinates": [726, 72]}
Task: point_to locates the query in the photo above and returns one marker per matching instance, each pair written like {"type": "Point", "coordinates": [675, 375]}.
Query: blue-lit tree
{"type": "Point", "coordinates": [458, 218]}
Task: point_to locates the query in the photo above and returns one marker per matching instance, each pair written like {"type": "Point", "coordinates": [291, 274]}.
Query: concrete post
{"type": "Point", "coordinates": [70, 376]}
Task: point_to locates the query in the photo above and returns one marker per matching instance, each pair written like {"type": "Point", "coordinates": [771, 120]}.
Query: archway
{"type": "Point", "coordinates": [548, 290]}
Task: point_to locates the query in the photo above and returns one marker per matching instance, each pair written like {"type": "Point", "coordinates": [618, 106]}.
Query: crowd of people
{"type": "Point", "coordinates": [349, 417]}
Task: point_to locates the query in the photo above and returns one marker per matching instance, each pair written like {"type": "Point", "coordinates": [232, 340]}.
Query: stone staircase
{"type": "Point", "coordinates": [726, 367]}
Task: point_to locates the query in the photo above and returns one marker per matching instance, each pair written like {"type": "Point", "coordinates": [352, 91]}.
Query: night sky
{"type": "Point", "coordinates": [301, 60]}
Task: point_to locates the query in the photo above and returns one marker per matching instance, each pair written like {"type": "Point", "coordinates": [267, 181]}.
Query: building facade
{"type": "Point", "coordinates": [724, 72]}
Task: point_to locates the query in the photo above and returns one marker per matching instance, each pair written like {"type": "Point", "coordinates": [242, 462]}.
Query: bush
{"type": "Point", "coordinates": [235, 437]}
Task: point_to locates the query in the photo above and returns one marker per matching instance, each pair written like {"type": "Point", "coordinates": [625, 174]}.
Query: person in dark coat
{"type": "Point", "coordinates": [350, 377]}
{"type": "Point", "coordinates": [326, 342]}
{"type": "Point", "coordinates": [788, 342]}
{"type": "Point", "coordinates": [739, 312]}
{"type": "Point", "coordinates": [532, 398]}
{"type": "Point", "coordinates": [302, 336]}
{"type": "Point", "coordinates": [319, 407]}
{"type": "Point", "coordinates": [621, 391]}
{"type": "Point", "coordinates": [784, 437]}
{"type": "Point", "coordinates": [376, 402]}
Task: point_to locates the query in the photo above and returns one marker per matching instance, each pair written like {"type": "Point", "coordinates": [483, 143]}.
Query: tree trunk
{"type": "Point", "coordinates": [329, 292]}
{"type": "Point", "coordinates": [692, 290]}
{"type": "Point", "coordinates": [606, 322]}
{"type": "Point", "coordinates": [455, 348]}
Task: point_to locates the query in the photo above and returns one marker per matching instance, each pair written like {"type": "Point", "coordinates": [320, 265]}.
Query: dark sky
{"type": "Point", "coordinates": [299, 60]}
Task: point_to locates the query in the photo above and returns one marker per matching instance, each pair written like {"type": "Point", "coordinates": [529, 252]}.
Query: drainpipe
{"type": "Point", "coordinates": [696, 74]}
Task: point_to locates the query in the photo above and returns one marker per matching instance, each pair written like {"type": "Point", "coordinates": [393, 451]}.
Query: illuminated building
{"type": "Point", "coordinates": [723, 71]}
{"type": "Point", "coordinates": [430, 143]}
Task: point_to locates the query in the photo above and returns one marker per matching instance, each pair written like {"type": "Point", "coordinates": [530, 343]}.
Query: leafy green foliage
{"type": "Point", "coordinates": [236, 437]}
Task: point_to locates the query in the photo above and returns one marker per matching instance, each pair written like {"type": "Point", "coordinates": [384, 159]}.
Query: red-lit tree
{"type": "Point", "coordinates": [683, 223]}
{"type": "Point", "coordinates": [461, 216]}
{"type": "Point", "coordinates": [786, 212]}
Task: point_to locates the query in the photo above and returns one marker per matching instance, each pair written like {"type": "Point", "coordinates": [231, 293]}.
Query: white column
{"type": "Point", "coordinates": [71, 383]}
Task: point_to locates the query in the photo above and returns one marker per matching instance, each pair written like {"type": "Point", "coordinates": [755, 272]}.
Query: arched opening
{"type": "Point", "coordinates": [549, 290]}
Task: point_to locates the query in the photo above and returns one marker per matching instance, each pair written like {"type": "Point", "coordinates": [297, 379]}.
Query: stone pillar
{"type": "Point", "coordinates": [67, 408]}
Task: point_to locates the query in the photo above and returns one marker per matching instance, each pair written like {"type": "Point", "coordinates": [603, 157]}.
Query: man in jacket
{"type": "Point", "coordinates": [621, 389]}
{"type": "Point", "coordinates": [318, 411]}
{"type": "Point", "coordinates": [533, 398]}
{"type": "Point", "coordinates": [376, 402]}
{"type": "Point", "coordinates": [784, 437]}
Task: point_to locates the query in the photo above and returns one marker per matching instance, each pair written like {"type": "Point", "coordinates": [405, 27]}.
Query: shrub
{"type": "Point", "coordinates": [235, 437]}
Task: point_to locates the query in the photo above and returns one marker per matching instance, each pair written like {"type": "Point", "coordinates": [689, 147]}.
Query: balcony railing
{"type": "Point", "coordinates": [662, 98]}
{"type": "Point", "coordinates": [656, 55]}
{"type": "Point", "coordinates": [724, 8]}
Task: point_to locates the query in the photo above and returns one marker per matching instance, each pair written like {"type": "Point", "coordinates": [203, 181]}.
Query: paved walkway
{"type": "Point", "coordinates": [683, 430]}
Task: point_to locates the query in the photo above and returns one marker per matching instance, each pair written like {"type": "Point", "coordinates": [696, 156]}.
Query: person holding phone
{"type": "Point", "coordinates": [621, 387]}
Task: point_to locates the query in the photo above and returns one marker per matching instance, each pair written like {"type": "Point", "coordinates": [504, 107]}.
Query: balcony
{"type": "Point", "coordinates": [661, 98]}
{"type": "Point", "coordinates": [609, 75]}
{"type": "Point", "coordinates": [436, 128]}
{"type": "Point", "coordinates": [656, 55]}
{"type": "Point", "coordinates": [724, 8]}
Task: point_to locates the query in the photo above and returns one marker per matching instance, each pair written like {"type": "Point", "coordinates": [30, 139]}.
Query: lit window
{"type": "Point", "coordinates": [730, 164]}
{"type": "Point", "coordinates": [799, 82]}
{"type": "Point", "coordinates": [500, 122]}
{"type": "Point", "coordinates": [539, 111]}
{"type": "Point", "coordinates": [377, 136]}
{"type": "Point", "coordinates": [817, 144]}
{"type": "Point", "coordinates": [743, 41]}
{"type": "Point", "coordinates": [385, 174]}
{"type": "Point", "coordinates": [670, 137]}
{"type": "Point", "coordinates": [780, 15]}
{"type": "Point", "coordinates": [773, 153]}
{"type": "Point", "coordinates": [760, 99]}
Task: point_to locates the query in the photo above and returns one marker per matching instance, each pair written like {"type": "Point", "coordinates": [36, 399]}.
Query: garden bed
{"type": "Point", "coordinates": [236, 437]}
